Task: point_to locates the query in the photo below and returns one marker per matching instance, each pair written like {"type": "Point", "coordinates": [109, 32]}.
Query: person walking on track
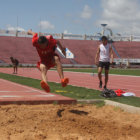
{"type": "Point", "coordinates": [104, 53]}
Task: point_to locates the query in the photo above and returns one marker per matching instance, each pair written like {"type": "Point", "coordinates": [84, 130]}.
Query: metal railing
{"type": "Point", "coordinates": [95, 36]}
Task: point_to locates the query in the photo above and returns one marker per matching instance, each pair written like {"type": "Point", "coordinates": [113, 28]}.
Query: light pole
{"type": "Point", "coordinates": [103, 25]}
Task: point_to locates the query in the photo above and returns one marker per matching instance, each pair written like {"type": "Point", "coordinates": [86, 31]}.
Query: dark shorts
{"type": "Point", "coordinates": [105, 65]}
{"type": "Point", "coordinates": [15, 64]}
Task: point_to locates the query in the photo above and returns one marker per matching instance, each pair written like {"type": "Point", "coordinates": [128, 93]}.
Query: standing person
{"type": "Point", "coordinates": [15, 63]}
{"type": "Point", "coordinates": [104, 52]}
{"type": "Point", "coordinates": [45, 46]}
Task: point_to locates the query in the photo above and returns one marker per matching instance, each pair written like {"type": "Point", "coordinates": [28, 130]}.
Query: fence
{"type": "Point", "coordinates": [95, 36]}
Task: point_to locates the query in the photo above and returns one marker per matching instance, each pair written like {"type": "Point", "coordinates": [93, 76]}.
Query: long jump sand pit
{"type": "Point", "coordinates": [67, 122]}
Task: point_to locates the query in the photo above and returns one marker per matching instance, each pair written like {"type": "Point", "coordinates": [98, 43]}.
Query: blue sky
{"type": "Point", "coordinates": [70, 16]}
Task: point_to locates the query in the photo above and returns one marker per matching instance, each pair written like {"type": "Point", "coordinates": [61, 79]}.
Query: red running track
{"type": "Point", "coordinates": [13, 93]}
{"type": "Point", "coordinates": [126, 83]}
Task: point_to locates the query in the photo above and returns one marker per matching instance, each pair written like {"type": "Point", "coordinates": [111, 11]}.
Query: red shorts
{"type": "Point", "coordinates": [48, 62]}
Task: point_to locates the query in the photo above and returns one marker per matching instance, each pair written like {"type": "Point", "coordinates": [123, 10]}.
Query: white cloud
{"type": "Point", "coordinates": [11, 28]}
{"type": "Point", "coordinates": [66, 32]}
{"type": "Point", "coordinates": [121, 15]}
{"type": "Point", "coordinates": [86, 13]}
{"type": "Point", "coordinates": [46, 25]}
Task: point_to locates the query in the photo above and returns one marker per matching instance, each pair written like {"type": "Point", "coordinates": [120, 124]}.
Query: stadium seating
{"type": "Point", "coordinates": [128, 49]}
{"type": "Point", "coordinates": [84, 50]}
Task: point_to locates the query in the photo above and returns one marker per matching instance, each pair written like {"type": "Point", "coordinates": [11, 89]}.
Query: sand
{"type": "Point", "coordinates": [67, 122]}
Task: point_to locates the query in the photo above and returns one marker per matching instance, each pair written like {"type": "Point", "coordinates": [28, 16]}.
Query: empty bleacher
{"type": "Point", "coordinates": [128, 49]}
{"type": "Point", "coordinates": [84, 50]}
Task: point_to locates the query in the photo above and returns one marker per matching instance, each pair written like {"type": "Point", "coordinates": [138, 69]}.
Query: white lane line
{"type": "Point", "coordinates": [16, 91]}
{"type": "Point", "coordinates": [96, 74]}
{"type": "Point", "coordinates": [34, 90]}
{"type": "Point", "coordinates": [15, 96]}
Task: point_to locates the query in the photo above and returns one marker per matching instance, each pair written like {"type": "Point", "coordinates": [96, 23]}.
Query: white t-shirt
{"type": "Point", "coordinates": [104, 53]}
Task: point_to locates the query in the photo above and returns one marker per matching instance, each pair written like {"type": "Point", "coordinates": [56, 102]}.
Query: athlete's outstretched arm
{"type": "Point", "coordinates": [35, 37]}
{"type": "Point", "coordinates": [97, 55]}
{"type": "Point", "coordinates": [30, 32]}
{"type": "Point", "coordinates": [63, 49]}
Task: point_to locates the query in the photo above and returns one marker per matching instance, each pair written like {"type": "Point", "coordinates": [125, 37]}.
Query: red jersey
{"type": "Point", "coordinates": [47, 52]}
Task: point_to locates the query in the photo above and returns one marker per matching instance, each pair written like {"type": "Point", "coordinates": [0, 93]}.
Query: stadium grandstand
{"type": "Point", "coordinates": [19, 45]}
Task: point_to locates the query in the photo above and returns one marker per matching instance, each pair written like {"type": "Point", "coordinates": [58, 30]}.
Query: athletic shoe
{"type": "Point", "coordinates": [100, 84]}
{"type": "Point", "coordinates": [64, 82]}
{"type": "Point", "coordinates": [45, 86]}
{"type": "Point", "coordinates": [105, 87]}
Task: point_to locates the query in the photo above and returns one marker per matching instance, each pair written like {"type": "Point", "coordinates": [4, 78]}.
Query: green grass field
{"type": "Point", "coordinates": [69, 91]}
{"type": "Point", "coordinates": [134, 72]}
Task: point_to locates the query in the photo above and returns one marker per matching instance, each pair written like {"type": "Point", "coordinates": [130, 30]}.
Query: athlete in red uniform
{"type": "Point", "coordinates": [45, 46]}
